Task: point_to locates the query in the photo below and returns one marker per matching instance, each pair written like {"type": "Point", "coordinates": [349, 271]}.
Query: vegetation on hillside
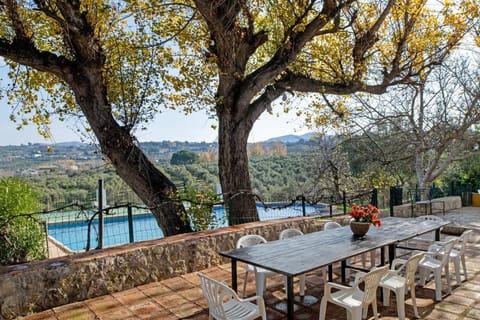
{"type": "Point", "coordinates": [21, 236]}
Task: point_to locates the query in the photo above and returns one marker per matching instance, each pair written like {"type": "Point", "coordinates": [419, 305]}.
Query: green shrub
{"type": "Point", "coordinates": [198, 205]}
{"type": "Point", "coordinates": [22, 238]}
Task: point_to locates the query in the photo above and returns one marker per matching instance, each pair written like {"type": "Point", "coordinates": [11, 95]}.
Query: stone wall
{"type": "Point", "coordinates": [405, 210]}
{"type": "Point", "coordinates": [29, 288]}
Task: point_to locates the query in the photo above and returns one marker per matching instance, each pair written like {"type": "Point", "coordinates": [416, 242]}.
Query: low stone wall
{"type": "Point", "coordinates": [29, 288]}
{"type": "Point", "coordinates": [405, 210]}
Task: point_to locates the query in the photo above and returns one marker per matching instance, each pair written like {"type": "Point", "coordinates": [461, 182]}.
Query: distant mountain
{"type": "Point", "coordinates": [291, 138]}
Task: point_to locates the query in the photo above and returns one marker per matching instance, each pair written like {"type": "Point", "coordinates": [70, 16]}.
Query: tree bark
{"type": "Point", "coordinates": [234, 170]}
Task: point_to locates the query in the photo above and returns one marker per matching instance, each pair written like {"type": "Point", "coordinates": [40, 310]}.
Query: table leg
{"type": "Point", "coordinates": [437, 234]}
{"type": "Point", "coordinates": [343, 264]}
{"type": "Point", "coordinates": [330, 272]}
{"type": "Point", "coordinates": [234, 275]}
{"type": "Point", "coordinates": [382, 256]}
{"type": "Point", "coordinates": [391, 253]}
{"type": "Point", "coordinates": [290, 297]}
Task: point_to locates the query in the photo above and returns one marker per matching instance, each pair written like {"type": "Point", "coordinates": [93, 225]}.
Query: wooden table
{"type": "Point", "coordinates": [295, 256]}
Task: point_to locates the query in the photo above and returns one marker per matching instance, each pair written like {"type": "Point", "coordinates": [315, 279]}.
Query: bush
{"type": "Point", "coordinates": [184, 157]}
{"type": "Point", "coordinates": [21, 236]}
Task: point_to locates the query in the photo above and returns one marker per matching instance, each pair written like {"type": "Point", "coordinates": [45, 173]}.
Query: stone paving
{"type": "Point", "coordinates": [181, 297]}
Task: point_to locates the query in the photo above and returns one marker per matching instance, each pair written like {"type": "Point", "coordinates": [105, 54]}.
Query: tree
{"type": "Point", "coordinates": [432, 123]}
{"type": "Point", "coordinates": [184, 157]}
{"type": "Point", "coordinates": [90, 61]}
{"type": "Point", "coordinates": [256, 150]}
{"type": "Point", "coordinates": [21, 236]}
{"type": "Point", "coordinates": [257, 51]}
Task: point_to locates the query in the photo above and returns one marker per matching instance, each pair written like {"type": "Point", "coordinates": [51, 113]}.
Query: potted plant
{"type": "Point", "coordinates": [363, 217]}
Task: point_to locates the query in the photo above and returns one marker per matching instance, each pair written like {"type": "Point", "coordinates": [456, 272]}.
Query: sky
{"type": "Point", "coordinates": [170, 125]}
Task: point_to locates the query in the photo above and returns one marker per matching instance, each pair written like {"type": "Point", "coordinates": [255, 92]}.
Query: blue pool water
{"type": "Point", "coordinates": [74, 235]}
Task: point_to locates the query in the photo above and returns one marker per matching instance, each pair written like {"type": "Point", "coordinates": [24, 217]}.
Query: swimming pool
{"type": "Point", "coordinates": [74, 234]}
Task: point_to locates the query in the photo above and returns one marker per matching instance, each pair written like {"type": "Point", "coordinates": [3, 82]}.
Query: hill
{"type": "Point", "coordinates": [291, 138]}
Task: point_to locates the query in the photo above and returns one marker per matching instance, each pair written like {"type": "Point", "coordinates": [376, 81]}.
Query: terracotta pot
{"type": "Point", "coordinates": [359, 229]}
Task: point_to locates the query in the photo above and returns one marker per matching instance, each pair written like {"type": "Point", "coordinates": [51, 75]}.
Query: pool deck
{"type": "Point", "coordinates": [181, 297]}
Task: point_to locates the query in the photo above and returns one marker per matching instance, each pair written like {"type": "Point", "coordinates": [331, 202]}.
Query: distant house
{"type": "Point", "coordinates": [29, 172]}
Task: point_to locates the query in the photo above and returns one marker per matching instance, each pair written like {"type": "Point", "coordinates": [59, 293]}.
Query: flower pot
{"type": "Point", "coordinates": [359, 229]}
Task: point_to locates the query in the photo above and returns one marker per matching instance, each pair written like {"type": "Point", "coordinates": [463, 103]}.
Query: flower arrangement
{"type": "Point", "coordinates": [366, 214]}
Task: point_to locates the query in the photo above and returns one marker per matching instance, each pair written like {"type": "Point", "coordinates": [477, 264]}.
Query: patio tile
{"type": "Point", "coordinates": [468, 293]}
{"type": "Point", "coordinates": [451, 307]}
{"type": "Point", "coordinates": [461, 300]}
{"type": "Point", "coordinates": [74, 311]}
{"type": "Point", "coordinates": [192, 294]}
{"type": "Point", "coordinates": [474, 313]}
{"type": "Point", "coordinates": [130, 297]}
{"type": "Point", "coordinates": [44, 315]}
{"type": "Point", "coordinates": [156, 291]}
{"type": "Point", "coordinates": [177, 284]}
{"type": "Point", "coordinates": [103, 304]}
{"type": "Point", "coordinates": [171, 301]}
{"type": "Point", "coordinates": [441, 315]}
{"type": "Point", "coordinates": [185, 310]}
{"type": "Point", "coordinates": [145, 309]}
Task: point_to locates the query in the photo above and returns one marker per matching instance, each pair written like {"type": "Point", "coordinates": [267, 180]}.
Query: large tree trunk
{"type": "Point", "coordinates": [150, 184]}
{"type": "Point", "coordinates": [234, 171]}
{"type": "Point", "coordinates": [130, 163]}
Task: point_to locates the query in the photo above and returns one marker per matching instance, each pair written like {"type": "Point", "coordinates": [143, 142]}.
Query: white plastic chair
{"type": "Point", "coordinates": [394, 281]}
{"type": "Point", "coordinates": [457, 255]}
{"type": "Point", "coordinates": [436, 259]}
{"type": "Point", "coordinates": [290, 233]}
{"type": "Point", "coordinates": [224, 304]}
{"type": "Point", "coordinates": [353, 299]}
{"type": "Point", "coordinates": [334, 225]}
{"type": "Point", "coordinates": [261, 274]}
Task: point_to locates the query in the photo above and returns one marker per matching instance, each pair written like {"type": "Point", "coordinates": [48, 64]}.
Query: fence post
{"type": "Point", "coordinates": [130, 223]}
{"type": "Point", "coordinates": [303, 206]}
{"type": "Point", "coordinates": [374, 199]}
{"type": "Point", "coordinates": [396, 198]}
{"type": "Point", "coordinates": [44, 224]}
{"type": "Point", "coordinates": [100, 214]}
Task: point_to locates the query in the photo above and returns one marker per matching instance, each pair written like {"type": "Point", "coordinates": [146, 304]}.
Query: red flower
{"type": "Point", "coordinates": [369, 213]}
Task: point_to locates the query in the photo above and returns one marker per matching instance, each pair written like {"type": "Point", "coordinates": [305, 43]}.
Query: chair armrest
{"type": "Point", "coordinates": [435, 247]}
{"type": "Point", "coordinates": [398, 265]}
{"type": "Point", "coordinates": [249, 299]}
{"type": "Point", "coordinates": [330, 285]}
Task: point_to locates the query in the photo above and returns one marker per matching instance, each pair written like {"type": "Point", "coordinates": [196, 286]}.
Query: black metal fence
{"type": "Point", "coordinates": [400, 195]}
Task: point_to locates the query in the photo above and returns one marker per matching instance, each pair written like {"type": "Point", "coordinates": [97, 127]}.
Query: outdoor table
{"type": "Point", "coordinates": [294, 256]}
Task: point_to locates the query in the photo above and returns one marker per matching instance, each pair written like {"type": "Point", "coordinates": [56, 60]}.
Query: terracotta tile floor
{"type": "Point", "coordinates": [181, 298]}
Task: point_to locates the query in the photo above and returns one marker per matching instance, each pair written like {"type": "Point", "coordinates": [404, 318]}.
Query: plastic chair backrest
{"type": "Point", "coordinates": [412, 266]}
{"type": "Point", "coordinates": [216, 293]}
{"type": "Point", "coordinates": [290, 233]}
{"type": "Point", "coordinates": [250, 240]}
{"type": "Point", "coordinates": [445, 250]}
{"type": "Point", "coordinates": [463, 240]}
{"type": "Point", "coordinates": [371, 281]}
{"type": "Point", "coordinates": [331, 225]}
